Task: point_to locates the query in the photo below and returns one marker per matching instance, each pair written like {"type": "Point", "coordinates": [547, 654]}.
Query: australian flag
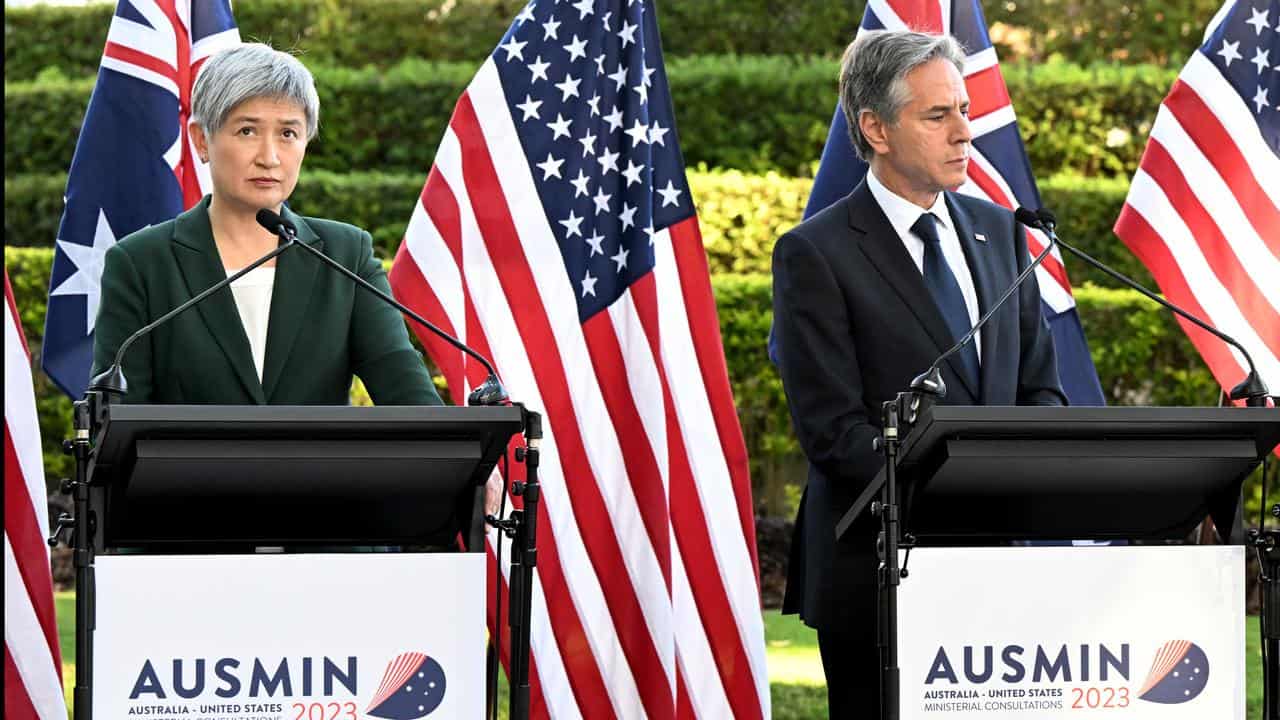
{"type": "Point", "coordinates": [134, 165]}
{"type": "Point", "coordinates": [998, 167]}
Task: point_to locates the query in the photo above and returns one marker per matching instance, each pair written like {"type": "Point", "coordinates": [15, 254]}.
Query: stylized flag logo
{"type": "Point", "coordinates": [1178, 674]}
{"type": "Point", "coordinates": [412, 687]}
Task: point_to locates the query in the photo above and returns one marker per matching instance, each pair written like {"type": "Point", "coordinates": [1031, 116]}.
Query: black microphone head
{"type": "Point", "coordinates": [1047, 217]}
{"type": "Point", "coordinates": [270, 220]}
{"type": "Point", "coordinates": [1027, 217]}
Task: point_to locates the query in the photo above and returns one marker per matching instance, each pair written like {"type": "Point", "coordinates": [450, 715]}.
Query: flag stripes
{"type": "Point", "coordinates": [33, 661]}
{"type": "Point", "coordinates": [1203, 213]}
{"type": "Point", "coordinates": [640, 609]}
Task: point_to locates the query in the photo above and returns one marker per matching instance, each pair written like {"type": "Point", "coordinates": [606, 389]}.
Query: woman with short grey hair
{"type": "Point", "coordinates": [252, 70]}
{"type": "Point", "coordinates": [290, 332]}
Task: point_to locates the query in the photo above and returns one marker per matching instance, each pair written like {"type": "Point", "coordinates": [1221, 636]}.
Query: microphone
{"type": "Point", "coordinates": [930, 381]}
{"type": "Point", "coordinates": [490, 392]}
{"type": "Point", "coordinates": [277, 224]}
{"type": "Point", "coordinates": [112, 380]}
{"type": "Point", "coordinates": [1252, 389]}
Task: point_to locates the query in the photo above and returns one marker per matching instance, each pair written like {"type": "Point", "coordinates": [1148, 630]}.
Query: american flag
{"type": "Point", "coordinates": [32, 660]}
{"type": "Point", "coordinates": [998, 167]}
{"type": "Point", "coordinates": [133, 166]}
{"type": "Point", "coordinates": [1203, 211]}
{"type": "Point", "coordinates": [556, 233]}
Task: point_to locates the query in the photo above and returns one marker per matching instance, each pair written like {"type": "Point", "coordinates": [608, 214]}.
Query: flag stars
{"type": "Point", "coordinates": [594, 102]}
{"type": "Point", "coordinates": [628, 33]}
{"type": "Point", "coordinates": [526, 14]}
{"type": "Point", "coordinates": [643, 91]}
{"type": "Point", "coordinates": [572, 225]}
{"type": "Point", "coordinates": [601, 200]}
{"type": "Point", "coordinates": [600, 64]}
{"type": "Point", "coordinates": [619, 76]}
{"type": "Point", "coordinates": [657, 133]}
{"type": "Point", "coordinates": [539, 69]}
{"type": "Point", "coordinates": [649, 231]}
{"type": "Point", "coordinates": [588, 143]}
{"type": "Point", "coordinates": [550, 28]}
{"type": "Point", "coordinates": [584, 8]}
{"type": "Point", "coordinates": [608, 161]}
{"type": "Point", "coordinates": [515, 50]}
{"type": "Point", "coordinates": [628, 216]}
{"type": "Point", "coordinates": [576, 48]}
{"type": "Point", "coordinates": [560, 126]}
{"type": "Point", "coordinates": [632, 173]}
{"type": "Point", "coordinates": [614, 119]}
{"type": "Point", "coordinates": [604, 21]}
{"type": "Point", "coordinates": [621, 259]}
{"type": "Point", "coordinates": [670, 195]}
{"type": "Point", "coordinates": [1261, 59]}
{"type": "Point", "coordinates": [530, 108]}
{"type": "Point", "coordinates": [639, 133]}
{"type": "Point", "coordinates": [589, 285]}
{"type": "Point", "coordinates": [1258, 21]}
{"type": "Point", "coordinates": [647, 73]}
{"type": "Point", "coordinates": [1260, 99]}
{"type": "Point", "coordinates": [1230, 51]}
{"type": "Point", "coordinates": [596, 241]}
{"type": "Point", "coordinates": [580, 184]}
{"type": "Point", "coordinates": [568, 87]}
{"type": "Point", "coordinates": [550, 167]}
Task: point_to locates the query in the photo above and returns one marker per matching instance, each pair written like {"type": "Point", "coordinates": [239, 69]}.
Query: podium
{"type": "Point", "coordinates": [988, 475]}
{"type": "Point", "coordinates": [209, 481]}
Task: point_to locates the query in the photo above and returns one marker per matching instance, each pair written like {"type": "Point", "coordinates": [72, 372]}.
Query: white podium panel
{"type": "Point", "coordinates": [1132, 633]}
{"type": "Point", "coordinates": [290, 637]}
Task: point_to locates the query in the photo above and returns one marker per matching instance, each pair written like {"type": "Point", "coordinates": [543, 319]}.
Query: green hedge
{"type": "Point", "coordinates": [383, 32]}
{"type": "Point", "coordinates": [748, 113]}
{"type": "Point", "coordinates": [1141, 355]}
{"type": "Point", "coordinates": [741, 215]}
{"type": "Point", "coordinates": [1085, 31]}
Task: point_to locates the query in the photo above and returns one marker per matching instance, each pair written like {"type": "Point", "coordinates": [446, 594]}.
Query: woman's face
{"type": "Point", "coordinates": [255, 156]}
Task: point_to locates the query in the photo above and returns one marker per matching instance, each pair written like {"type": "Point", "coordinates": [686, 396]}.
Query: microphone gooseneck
{"type": "Point", "coordinates": [930, 381]}
{"type": "Point", "coordinates": [1252, 389]}
{"type": "Point", "coordinates": [490, 392]}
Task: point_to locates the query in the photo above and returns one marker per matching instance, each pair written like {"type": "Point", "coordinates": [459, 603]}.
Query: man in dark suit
{"type": "Point", "coordinates": [867, 293]}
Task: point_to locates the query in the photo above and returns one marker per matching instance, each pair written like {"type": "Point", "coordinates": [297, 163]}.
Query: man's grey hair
{"type": "Point", "coordinates": [874, 70]}
{"type": "Point", "coordinates": [248, 71]}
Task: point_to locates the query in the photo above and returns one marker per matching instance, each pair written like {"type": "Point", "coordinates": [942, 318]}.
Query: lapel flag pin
{"type": "Point", "coordinates": [980, 237]}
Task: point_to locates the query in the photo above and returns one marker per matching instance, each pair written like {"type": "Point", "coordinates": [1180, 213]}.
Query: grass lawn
{"type": "Point", "coordinates": [795, 670]}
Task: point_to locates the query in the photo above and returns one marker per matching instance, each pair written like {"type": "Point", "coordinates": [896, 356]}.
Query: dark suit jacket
{"type": "Point", "coordinates": [322, 328]}
{"type": "Point", "coordinates": [855, 323]}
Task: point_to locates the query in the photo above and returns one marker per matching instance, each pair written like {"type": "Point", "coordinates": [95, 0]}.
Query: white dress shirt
{"type": "Point", "coordinates": [902, 214]}
{"type": "Point", "coordinates": [253, 299]}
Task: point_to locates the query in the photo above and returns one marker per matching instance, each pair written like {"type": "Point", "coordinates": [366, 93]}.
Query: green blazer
{"type": "Point", "coordinates": [322, 328]}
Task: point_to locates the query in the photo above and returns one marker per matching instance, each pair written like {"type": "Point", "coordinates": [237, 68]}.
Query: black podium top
{"type": "Point", "coordinates": [999, 473]}
{"type": "Point", "coordinates": [204, 475]}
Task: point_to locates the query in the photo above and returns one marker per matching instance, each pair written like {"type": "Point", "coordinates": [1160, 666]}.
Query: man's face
{"type": "Point", "coordinates": [927, 149]}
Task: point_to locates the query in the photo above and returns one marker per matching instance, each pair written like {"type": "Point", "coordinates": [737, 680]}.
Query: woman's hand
{"type": "Point", "coordinates": [493, 494]}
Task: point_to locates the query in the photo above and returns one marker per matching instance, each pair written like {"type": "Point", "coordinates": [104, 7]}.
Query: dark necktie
{"type": "Point", "coordinates": [946, 294]}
